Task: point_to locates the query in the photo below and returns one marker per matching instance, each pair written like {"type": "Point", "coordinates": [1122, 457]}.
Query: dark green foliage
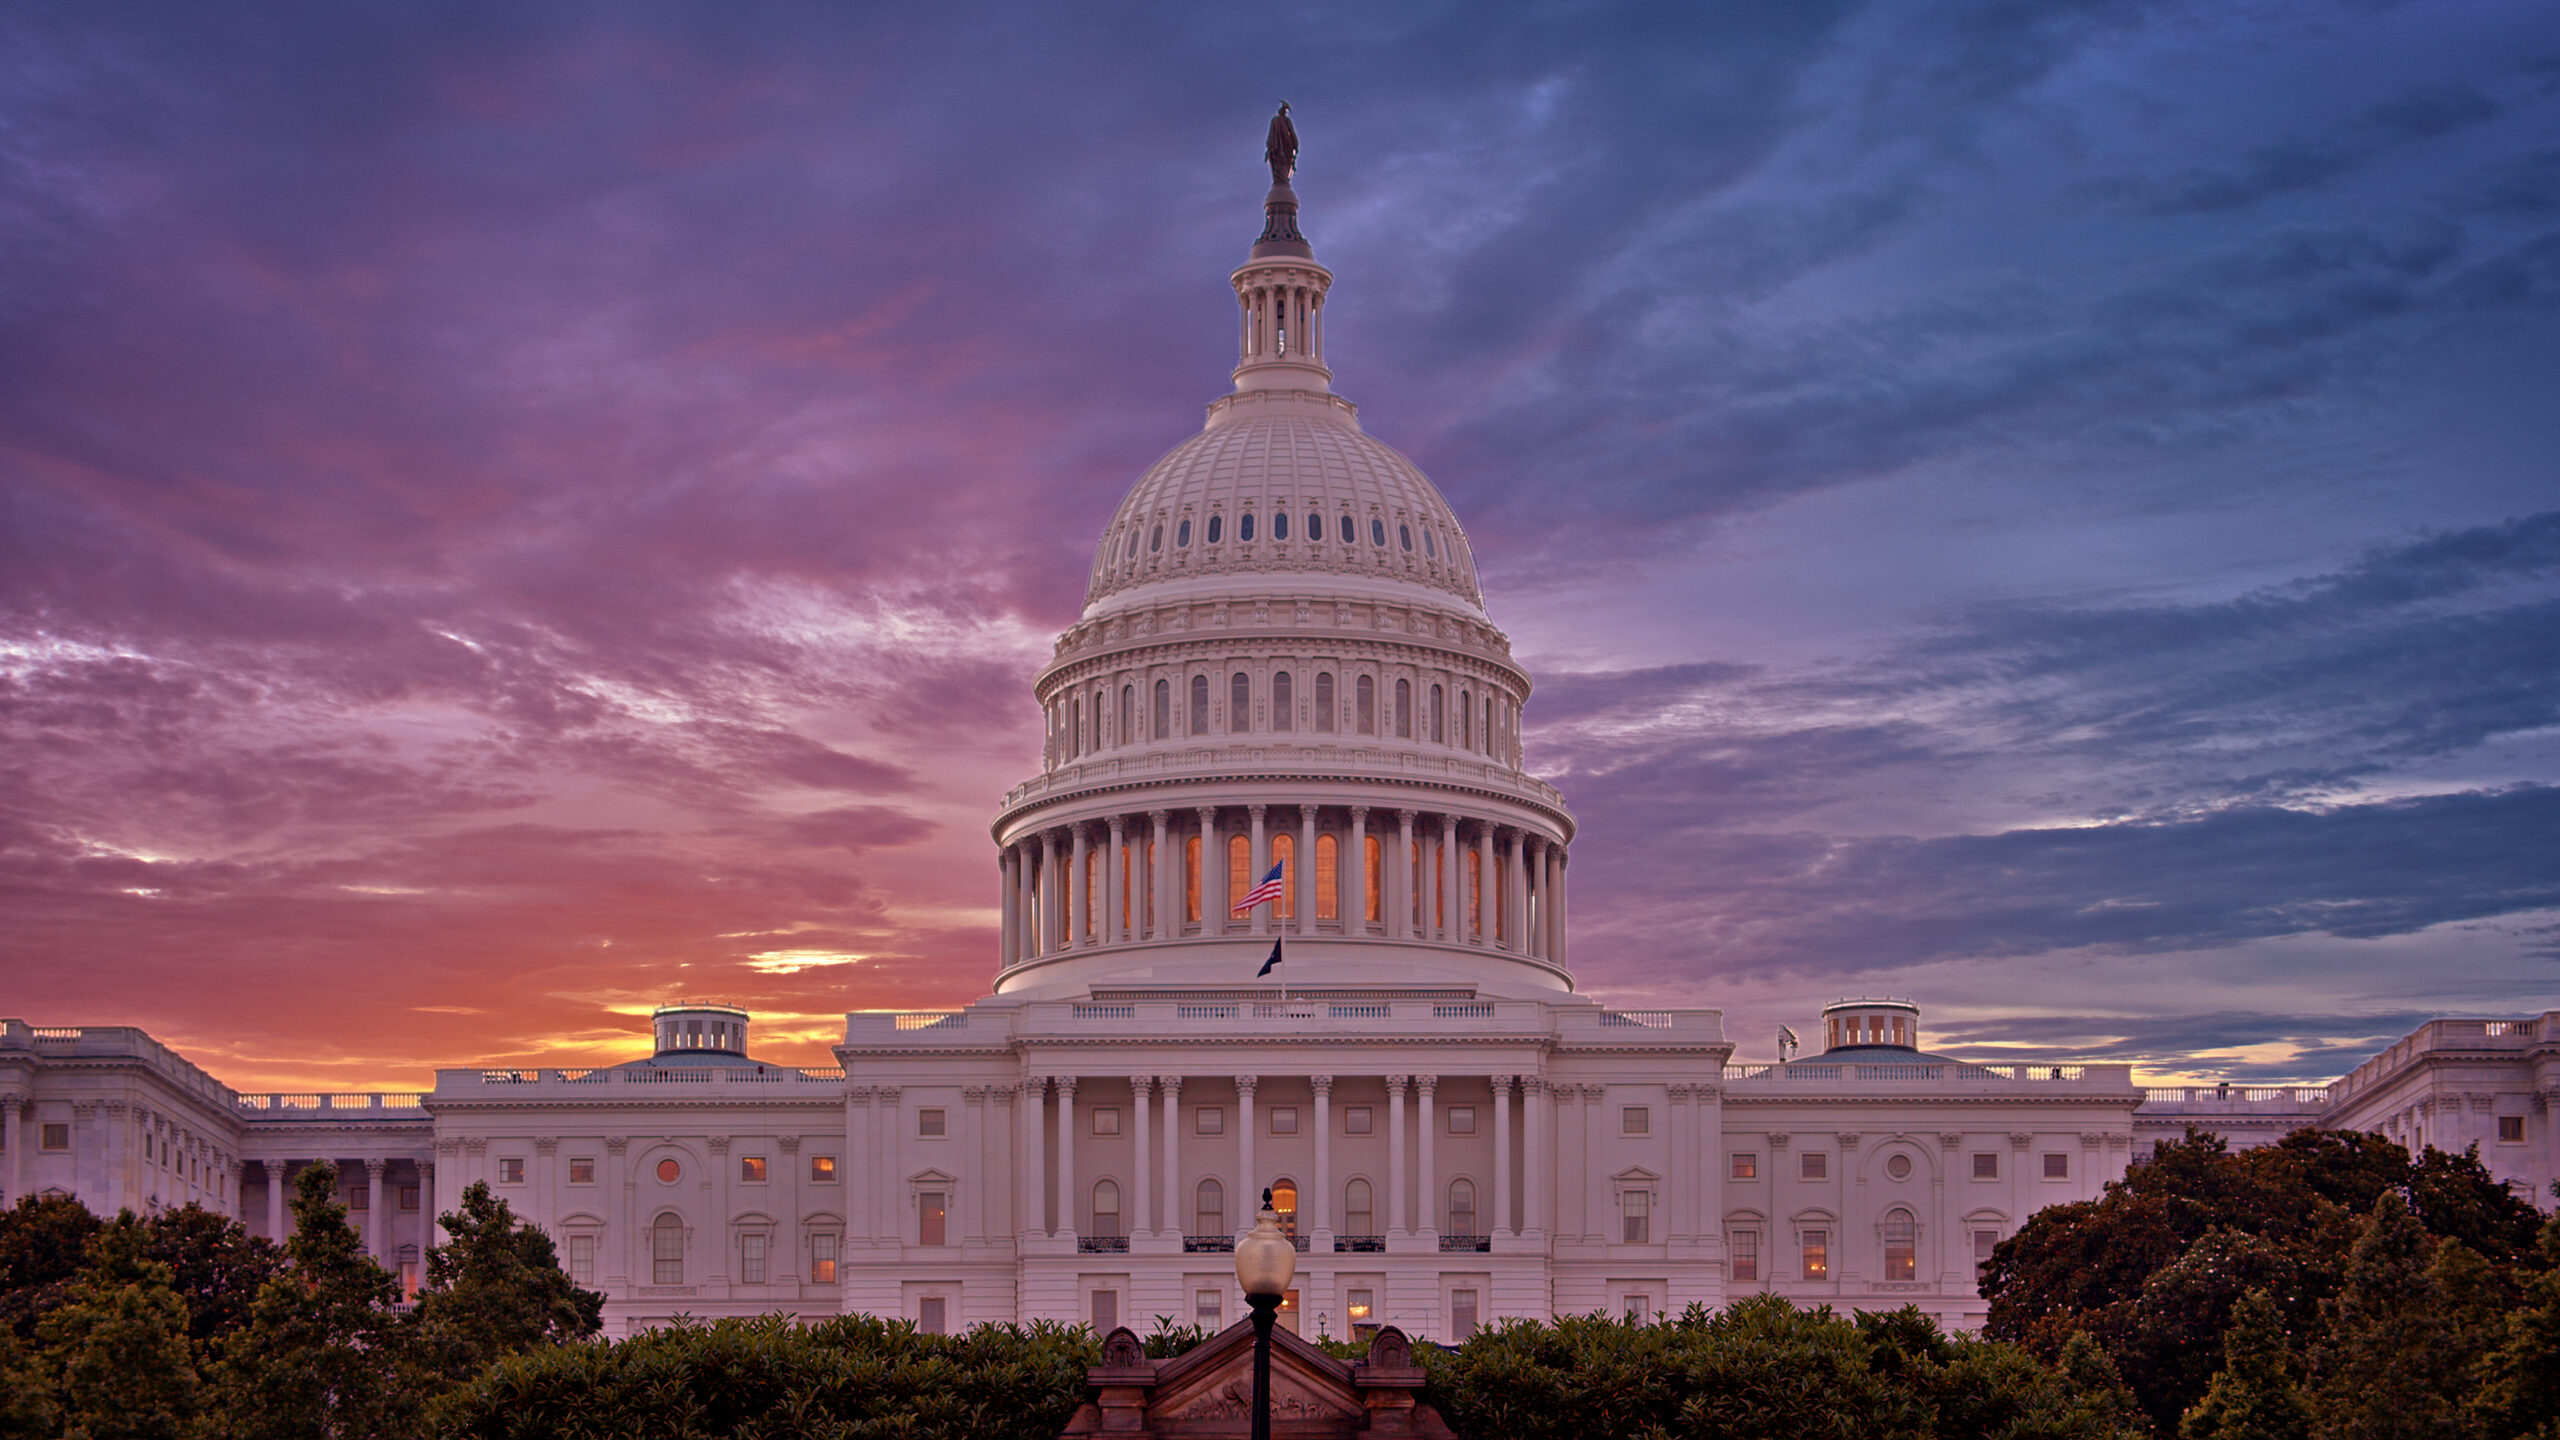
{"type": "Point", "coordinates": [853, 1378]}
{"type": "Point", "coordinates": [2394, 1362]}
{"type": "Point", "coordinates": [2519, 1392]}
{"type": "Point", "coordinates": [116, 1356]}
{"type": "Point", "coordinates": [1761, 1368]}
{"type": "Point", "coordinates": [214, 1262]}
{"type": "Point", "coordinates": [2254, 1395]}
{"type": "Point", "coordinates": [27, 1407]}
{"type": "Point", "coordinates": [495, 1288]}
{"type": "Point", "coordinates": [317, 1359]}
{"type": "Point", "coordinates": [44, 1243]}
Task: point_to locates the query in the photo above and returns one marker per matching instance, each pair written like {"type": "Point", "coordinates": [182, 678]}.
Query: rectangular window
{"type": "Point", "coordinates": [510, 1171]}
{"type": "Point", "coordinates": [1284, 1119]}
{"type": "Point", "coordinates": [2057, 1165]}
{"type": "Point", "coordinates": [932, 1124]}
{"type": "Point", "coordinates": [582, 1170]}
{"type": "Point", "coordinates": [1745, 1249]}
{"type": "Point", "coordinates": [1106, 1311]}
{"type": "Point", "coordinates": [822, 1258]}
{"type": "Point", "coordinates": [409, 1197]}
{"type": "Point", "coordinates": [582, 1259]}
{"type": "Point", "coordinates": [1746, 1167]}
{"type": "Point", "coordinates": [2510, 1128]}
{"type": "Point", "coordinates": [1355, 1120]}
{"type": "Point", "coordinates": [1635, 1309]}
{"type": "Point", "coordinates": [822, 1169]}
{"type": "Point", "coordinates": [931, 1219]}
{"type": "Point", "coordinates": [751, 1259]}
{"type": "Point", "coordinates": [751, 1169]}
{"type": "Point", "coordinates": [57, 1136]}
{"type": "Point", "coordinates": [1106, 1119]}
{"type": "Point", "coordinates": [1462, 1119]}
{"type": "Point", "coordinates": [1209, 1120]}
{"type": "Point", "coordinates": [1817, 1254]}
{"type": "Point", "coordinates": [1635, 1120]}
{"type": "Point", "coordinates": [1636, 1207]}
{"type": "Point", "coordinates": [1206, 1308]}
{"type": "Point", "coordinates": [361, 1198]}
{"type": "Point", "coordinates": [933, 1315]}
{"type": "Point", "coordinates": [1463, 1311]}
{"type": "Point", "coordinates": [1986, 1164]}
{"type": "Point", "coordinates": [1983, 1243]}
{"type": "Point", "coordinates": [1814, 1165]}
{"type": "Point", "coordinates": [1360, 1308]}
{"type": "Point", "coordinates": [666, 1253]}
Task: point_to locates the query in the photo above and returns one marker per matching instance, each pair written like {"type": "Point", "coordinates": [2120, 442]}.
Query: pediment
{"type": "Point", "coordinates": [1207, 1394]}
{"type": "Point", "coordinates": [1215, 1381]}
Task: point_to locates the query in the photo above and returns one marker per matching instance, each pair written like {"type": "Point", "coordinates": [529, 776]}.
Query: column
{"type": "Point", "coordinates": [1052, 895]}
{"type": "Point", "coordinates": [888, 1200]}
{"type": "Point", "coordinates": [1318, 1220]}
{"type": "Point", "coordinates": [1213, 873]}
{"type": "Point", "coordinates": [1488, 885]}
{"type": "Point", "coordinates": [859, 1224]}
{"type": "Point", "coordinates": [1400, 880]}
{"type": "Point", "coordinates": [1115, 861]}
{"type": "Point", "coordinates": [427, 1217]}
{"type": "Point", "coordinates": [1164, 907]}
{"type": "Point", "coordinates": [1066, 1155]}
{"type": "Point", "coordinates": [1544, 857]}
{"type": "Point", "coordinates": [1141, 1089]}
{"type": "Point", "coordinates": [1079, 898]}
{"type": "Point", "coordinates": [1397, 1203]}
{"type": "Point", "coordinates": [1515, 924]}
{"type": "Point", "coordinates": [1034, 1164]}
{"type": "Point", "coordinates": [973, 1197]}
{"type": "Point", "coordinates": [1563, 863]}
{"type": "Point", "coordinates": [1534, 1138]}
{"type": "Point", "coordinates": [1676, 1184]}
{"type": "Point", "coordinates": [377, 1226]}
{"type": "Point", "coordinates": [1307, 878]}
{"type": "Point", "coordinates": [1173, 1217]}
{"type": "Point", "coordinates": [13, 1142]}
{"type": "Point", "coordinates": [1007, 954]}
{"type": "Point", "coordinates": [1258, 860]}
{"type": "Point", "coordinates": [1427, 1155]}
{"type": "Point", "coordinates": [276, 1181]}
{"type": "Point", "coordinates": [1355, 920]}
{"type": "Point", "coordinates": [1245, 1086]}
{"type": "Point", "coordinates": [1453, 877]}
{"type": "Point", "coordinates": [1501, 1154]}
{"type": "Point", "coordinates": [1026, 870]}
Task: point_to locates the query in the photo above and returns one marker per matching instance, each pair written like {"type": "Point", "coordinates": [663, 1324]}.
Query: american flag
{"type": "Point", "coordinates": [1268, 892]}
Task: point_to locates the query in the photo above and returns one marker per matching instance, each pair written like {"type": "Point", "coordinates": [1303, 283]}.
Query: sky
{"type": "Point", "coordinates": [511, 514]}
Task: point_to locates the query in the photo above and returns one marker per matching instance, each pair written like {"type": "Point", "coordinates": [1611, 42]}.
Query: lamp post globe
{"type": "Point", "coordinates": [1265, 1262]}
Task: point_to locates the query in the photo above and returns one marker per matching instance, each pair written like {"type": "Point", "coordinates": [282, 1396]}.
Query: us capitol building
{"type": "Point", "coordinates": [1285, 661]}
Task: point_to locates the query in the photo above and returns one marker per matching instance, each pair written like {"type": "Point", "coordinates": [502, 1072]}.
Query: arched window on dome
{"type": "Point", "coordinates": [1092, 890]}
{"type": "Point", "coordinates": [1349, 536]}
{"type": "Point", "coordinates": [1182, 535]}
{"type": "Point", "coordinates": [1199, 704]}
{"type": "Point", "coordinates": [1239, 702]}
{"type": "Point", "coordinates": [1901, 1244]}
{"type": "Point", "coordinates": [1364, 704]}
{"type": "Point", "coordinates": [1324, 701]}
{"type": "Point", "coordinates": [1428, 548]}
{"type": "Point", "coordinates": [1244, 526]}
{"type": "Point", "coordinates": [1473, 900]}
{"type": "Point", "coordinates": [1239, 868]}
{"type": "Point", "coordinates": [1075, 732]}
{"type": "Point", "coordinates": [1439, 731]}
{"type": "Point", "coordinates": [1315, 526]}
{"type": "Point", "coordinates": [1191, 880]}
{"type": "Point", "coordinates": [1404, 709]}
{"type": "Point", "coordinates": [1128, 715]}
{"type": "Point", "coordinates": [1155, 541]}
{"type": "Point", "coordinates": [1213, 528]}
{"type": "Point", "coordinates": [1328, 878]}
{"type": "Point", "coordinates": [1375, 875]}
{"type": "Point", "coordinates": [1378, 533]}
{"type": "Point", "coordinates": [1466, 720]}
{"type": "Point", "coordinates": [1487, 731]}
{"type": "Point", "coordinates": [1164, 710]}
{"type": "Point", "coordinates": [1284, 853]}
{"type": "Point", "coordinates": [1283, 701]}
{"type": "Point", "coordinates": [1279, 526]}
{"type": "Point", "coordinates": [1405, 534]}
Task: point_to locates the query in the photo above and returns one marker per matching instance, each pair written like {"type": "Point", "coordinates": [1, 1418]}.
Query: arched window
{"type": "Point", "coordinates": [1209, 1209]}
{"type": "Point", "coordinates": [1364, 705]}
{"type": "Point", "coordinates": [1284, 853]}
{"type": "Point", "coordinates": [1429, 548]}
{"type": "Point", "coordinates": [1324, 700]}
{"type": "Point", "coordinates": [1315, 526]}
{"type": "Point", "coordinates": [1239, 702]}
{"type": "Point", "coordinates": [1359, 1209]}
{"type": "Point", "coordinates": [1106, 1209]}
{"type": "Point", "coordinates": [1348, 535]}
{"type": "Point", "coordinates": [1182, 535]}
{"type": "Point", "coordinates": [1462, 1208]}
{"type": "Point", "coordinates": [1369, 861]}
{"type": "Point", "coordinates": [1239, 867]}
{"type": "Point", "coordinates": [1164, 709]}
{"type": "Point", "coordinates": [1404, 709]}
{"type": "Point", "coordinates": [1405, 534]}
{"type": "Point", "coordinates": [1075, 739]}
{"type": "Point", "coordinates": [666, 1251]}
{"type": "Point", "coordinates": [1474, 897]}
{"type": "Point", "coordinates": [1901, 1245]}
{"type": "Point", "coordinates": [1129, 891]}
{"type": "Point", "coordinates": [1378, 533]}
{"type": "Point", "coordinates": [1283, 701]}
{"type": "Point", "coordinates": [1328, 878]}
{"type": "Point", "coordinates": [1284, 1203]}
{"type": "Point", "coordinates": [1155, 541]}
{"type": "Point", "coordinates": [1128, 714]}
{"type": "Point", "coordinates": [1466, 720]}
{"type": "Point", "coordinates": [1199, 704]}
{"type": "Point", "coordinates": [1213, 528]}
{"type": "Point", "coordinates": [1244, 526]}
{"type": "Point", "coordinates": [1280, 526]}
{"type": "Point", "coordinates": [1487, 731]}
{"type": "Point", "coordinates": [1191, 879]}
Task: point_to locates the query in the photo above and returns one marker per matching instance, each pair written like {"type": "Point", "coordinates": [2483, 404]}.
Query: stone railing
{"type": "Point", "coordinates": [1776, 1078]}
{"type": "Point", "coordinates": [583, 1083]}
{"type": "Point", "coordinates": [2468, 1035]}
{"type": "Point", "coordinates": [399, 1105]}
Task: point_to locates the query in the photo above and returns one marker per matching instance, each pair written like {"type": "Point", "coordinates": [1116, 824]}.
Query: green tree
{"type": "Point", "coordinates": [495, 1288]}
{"type": "Point", "coordinates": [318, 1357]}
{"type": "Point", "coordinates": [215, 1263]}
{"type": "Point", "coordinates": [2391, 1367]}
{"type": "Point", "coordinates": [2519, 1392]}
{"type": "Point", "coordinates": [2254, 1396]}
{"type": "Point", "coordinates": [117, 1347]}
{"type": "Point", "coordinates": [28, 1409]}
{"type": "Point", "coordinates": [44, 1245]}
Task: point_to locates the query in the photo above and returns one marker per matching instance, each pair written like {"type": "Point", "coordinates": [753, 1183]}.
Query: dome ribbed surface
{"type": "Point", "coordinates": [1266, 466]}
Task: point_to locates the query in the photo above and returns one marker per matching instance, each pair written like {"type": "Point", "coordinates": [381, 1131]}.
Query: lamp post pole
{"type": "Point", "coordinates": [1265, 1261]}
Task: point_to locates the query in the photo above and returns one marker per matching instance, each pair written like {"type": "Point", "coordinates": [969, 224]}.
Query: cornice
{"type": "Point", "coordinates": [1018, 812]}
{"type": "Point", "coordinates": [1743, 1099]}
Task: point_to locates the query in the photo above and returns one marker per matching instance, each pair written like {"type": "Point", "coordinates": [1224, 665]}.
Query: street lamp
{"type": "Point", "coordinates": [1265, 1261]}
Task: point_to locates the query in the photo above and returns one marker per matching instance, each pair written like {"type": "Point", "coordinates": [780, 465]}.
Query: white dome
{"type": "Point", "coordinates": [1267, 464]}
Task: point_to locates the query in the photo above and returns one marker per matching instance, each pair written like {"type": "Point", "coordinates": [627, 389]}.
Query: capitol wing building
{"type": "Point", "coordinates": [1284, 663]}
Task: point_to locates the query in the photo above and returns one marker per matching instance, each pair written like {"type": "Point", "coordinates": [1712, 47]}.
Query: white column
{"type": "Point", "coordinates": [1115, 863]}
{"type": "Point", "coordinates": [1213, 873]}
{"type": "Point", "coordinates": [1536, 1145]}
{"type": "Point", "coordinates": [887, 1131]}
{"type": "Point", "coordinates": [1066, 1155]}
{"type": "Point", "coordinates": [1427, 1155]}
{"type": "Point", "coordinates": [1258, 860]}
{"type": "Point", "coordinates": [1141, 1196]}
{"type": "Point", "coordinates": [1034, 1164]}
{"type": "Point", "coordinates": [427, 1215]}
{"type": "Point", "coordinates": [1675, 1185]}
{"type": "Point", "coordinates": [1488, 884]}
{"type": "Point", "coordinates": [1026, 907]}
{"type": "Point", "coordinates": [1174, 1217]}
{"type": "Point", "coordinates": [1319, 1218]}
{"type": "Point", "coordinates": [377, 1226]}
{"type": "Point", "coordinates": [1564, 863]}
{"type": "Point", "coordinates": [1079, 899]}
{"type": "Point", "coordinates": [858, 1225]}
{"type": "Point", "coordinates": [1501, 1154]}
{"type": "Point", "coordinates": [277, 1179]}
{"type": "Point", "coordinates": [1355, 919]}
{"type": "Point", "coordinates": [1400, 903]}
{"type": "Point", "coordinates": [1306, 879]}
{"type": "Point", "coordinates": [974, 1182]}
{"type": "Point", "coordinates": [13, 1139]}
{"type": "Point", "coordinates": [1245, 1086]}
{"type": "Point", "coordinates": [1164, 906]}
{"type": "Point", "coordinates": [1053, 896]}
{"type": "Point", "coordinates": [1398, 1205]}
{"type": "Point", "coordinates": [1009, 912]}
{"type": "Point", "coordinates": [1515, 896]}
{"type": "Point", "coordinates": [1453, 876]}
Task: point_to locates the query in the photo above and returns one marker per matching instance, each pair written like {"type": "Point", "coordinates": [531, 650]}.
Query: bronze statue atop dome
{"type": "Point", "coordinates": [1281, 147]}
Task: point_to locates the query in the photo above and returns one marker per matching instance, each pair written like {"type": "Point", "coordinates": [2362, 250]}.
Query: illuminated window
{"type": "Point", "coordinates": [1284, 853]}
{"type": "Point", "coordinates": [1284, 707]}
{"type": "Point", "coordinates": [510, 1172]}
{"type": "Point", "coordinates": [1746, 1167]}
{"type": "Point", "coordinates": [1284, 1203]}
{"type": "Point", "coordinates": [1475, 892]}
{"type": "Point", "coordinates": [1191, 879]}
{"type": "Point", "coordinates": [1744, 1249]}
{"type": "Point", "coordinates": [582, 1171]}
{"type": "Point", "coordinates": [822, 1169]}
{"type": "Point", "coordinates": [1374, 866]}
{"type": "Point", "coordinates": [1328, 878]}
{"type": "Point", "coordinates": [1901, 1245]}
{"type": "Point", "coordinates": [1817, 1254]}
{"type": "Point", "coordinates": [1360, 1307]}
{"type": "Point", "coordinates": [822, 1258]}
{"type": "Point", "coordinates": [751, 1169]}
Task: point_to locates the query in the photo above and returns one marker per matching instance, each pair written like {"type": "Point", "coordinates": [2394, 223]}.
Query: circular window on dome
{"type": "Point", "coordinates": [1898, 1166]}
{"type": "Point", "coordinates": [1213, 528]}
{"type": "Point", "coordinates": [1182, 535]}
{"type": "Point", "coordinates": [1405, 533]}
{"type": "Point", "coordinates": [1349, 535]}
{"type": "Point", "coordinates": [1378, 533]}
{"type": "Point", "coordinates": [1156, 540]}
{"type": "Point", "coordinates": [669, 1172]}
{"type": "Point", "coordinates": [1244, 526]}
{"type": "Point", "coordinates": [1280, 526]}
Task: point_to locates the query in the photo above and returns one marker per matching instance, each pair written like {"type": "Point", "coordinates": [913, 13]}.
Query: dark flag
{"type": "Point", "coordinates": [1268, 964]}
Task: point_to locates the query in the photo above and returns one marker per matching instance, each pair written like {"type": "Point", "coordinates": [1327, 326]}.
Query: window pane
{"type": "Point", "coordinates": [1209, 1209]}
{"type": "Point", "coordinates": [1986, 1165]}
{"type": "Point", "coordinates": [1239, 866]}
{"type": "Point", "coordinates": [751, 1259]}
{"type": "Point", "coordinates": [1746, 1167]}
{"type": "Point", "coordinates": [1745, 1250]}
{"type": "Point", "coordinates": [1816, 1166]}
{"type": "Point", "coordinates": [822, 1258]}
{"type": "Point", "coordinates": [1328, 877]}
{"type": "Point", "coordinates": [933, 1315]}
{"type": "Point", "coordinates": [1324, 700]}
{"type": "Point", "coordinates": [1283, 701]}
{"type": "Point", "coordinates": [1164, 709]}
{"type": "Point", "coordinates": [930, 1122]}
{"type": "Point", "coordinates": [2057, 1166]}
{"type": "Point", "coordinates": [1463, 1309]}
{"type": "Point", "coordinates": [582, 1171]}
{"type": "Point", "coordinates": [1284, 853]}
{"type": "Point", "coordinates": [930, 1218]}
{"type": "Point", "coordinates": [1199, 704]}
{"type": "Point", "coordinates": [822, 1168]}
{"type": "Point", "coordinates": [1205, 1309]}
{"type": "Point", "coordinates": [1239, 702]}
{"type": "Point", "coordinates": [582, 1259]}
{"type": "Point", "coordinates": [1364, 705]}
{"type": "Point", "coordinates": [1817, 1254]}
